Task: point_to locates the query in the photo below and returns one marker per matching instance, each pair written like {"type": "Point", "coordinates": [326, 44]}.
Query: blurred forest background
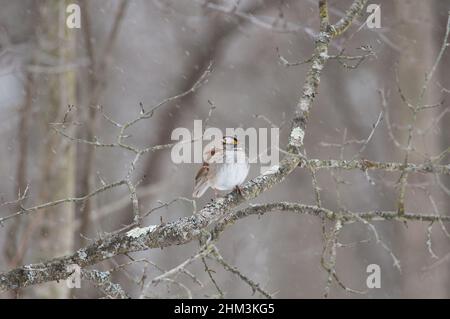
{"type": "Point", "coordinates": [127, 52]}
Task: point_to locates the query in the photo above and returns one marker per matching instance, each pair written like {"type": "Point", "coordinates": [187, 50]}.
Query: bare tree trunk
{"type": "Point", "coordinates": [15, 247]}
{"type": "Point", "coordinates": [56, 226]}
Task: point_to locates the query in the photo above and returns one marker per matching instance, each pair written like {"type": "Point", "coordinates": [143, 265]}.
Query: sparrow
{"type": "Point", "coordinates": [224, 168]}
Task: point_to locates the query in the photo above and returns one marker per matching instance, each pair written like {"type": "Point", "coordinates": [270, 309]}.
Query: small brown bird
{"type": "Point", "coordinates": [225, 168]}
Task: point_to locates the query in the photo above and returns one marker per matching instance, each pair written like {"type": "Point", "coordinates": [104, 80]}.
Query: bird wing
{"type": "Point", "coordinates": [202, 172]}
{"type": "Point", "coordinates": [201, 181]}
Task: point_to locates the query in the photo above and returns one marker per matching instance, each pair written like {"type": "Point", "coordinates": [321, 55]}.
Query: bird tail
{"type": "Point", "coordinates": [200, 189]}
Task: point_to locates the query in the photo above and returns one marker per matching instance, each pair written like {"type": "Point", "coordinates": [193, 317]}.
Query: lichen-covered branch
{"type": "Point", "coordinates": [346, 21]}
{"type": "Point", "coordinates": [102, 280]}
{"type": "Point", "coordinates": [177, 233]}
{"type": "Point", "coordinates": [364, 165]}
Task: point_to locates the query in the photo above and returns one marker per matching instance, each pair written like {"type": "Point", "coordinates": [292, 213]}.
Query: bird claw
{"type": "Point", "coordinates": [238, 190]}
